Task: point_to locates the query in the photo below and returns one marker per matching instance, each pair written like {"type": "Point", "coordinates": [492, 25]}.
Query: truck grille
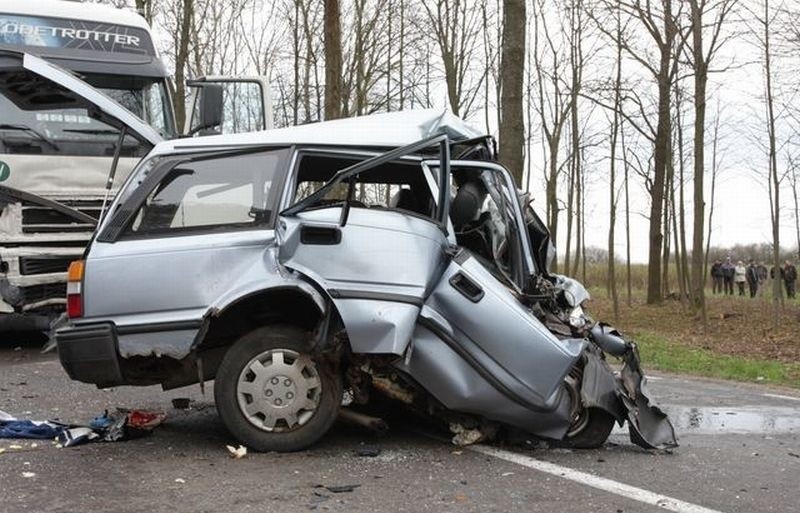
{"type": "Point", "coordinates": [34, 293]}
{"type": "Point", "coordinates": [43, 264]}
{"type": "Point", "coordinates": [39, 219]}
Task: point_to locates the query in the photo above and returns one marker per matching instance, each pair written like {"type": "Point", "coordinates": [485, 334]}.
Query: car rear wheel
{"type": "Point", "coordinates": [589, 427]}
{"type": "Point", "coordinates": [273, 394]}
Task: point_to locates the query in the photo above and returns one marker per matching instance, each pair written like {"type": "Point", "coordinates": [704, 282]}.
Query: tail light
{"type": "Point", "coordinates": [75, 289]}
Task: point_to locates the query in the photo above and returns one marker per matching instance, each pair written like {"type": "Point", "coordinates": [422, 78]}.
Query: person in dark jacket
{"type": "Point", "coordinates": [751, 274]}
{"type": "Point", "coordinates": [716, 276]}
{"type": "Point", "coordinates": [789, 278]}
{"type": "Point", "coordinates": [728, 272]}
{"type": "Point", "coordinates": [761, 269]}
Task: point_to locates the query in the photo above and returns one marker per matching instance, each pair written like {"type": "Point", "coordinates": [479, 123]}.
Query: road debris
{"type": "Point", "coordinates": [368, 451]}
{"type": "Point", "coordinates": [181, 403]}
{"type": "Point", "coordinates": [339, 488]}
{"type": "Point", "coordinates": [237, 453]}
{"type": "Point", "coordinates": [180, 480]}
{"type": "Point", "coordinates": [28, 474]}
{"type": "Point", "coordinates": [113, 427]}
{"type": "Point", "coordinates": [30, 429]}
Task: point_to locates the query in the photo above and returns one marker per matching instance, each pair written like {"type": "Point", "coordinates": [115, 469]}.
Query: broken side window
{"type": "Point", "coordinates": [398, 185]}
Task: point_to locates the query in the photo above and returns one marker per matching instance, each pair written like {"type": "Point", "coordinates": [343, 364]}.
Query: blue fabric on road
{"type": "Point", "coordinates": [29, 429]}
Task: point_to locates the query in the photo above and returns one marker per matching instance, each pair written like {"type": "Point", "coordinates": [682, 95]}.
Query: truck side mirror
{"type": "Point", "coordinates": [210, 107]}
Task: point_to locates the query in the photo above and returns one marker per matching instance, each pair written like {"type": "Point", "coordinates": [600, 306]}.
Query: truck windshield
{"type": "Point", "coordinates": [73, 132]}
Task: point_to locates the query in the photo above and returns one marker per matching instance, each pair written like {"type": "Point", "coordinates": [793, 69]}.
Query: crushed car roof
{"type": "Point", "coordinates": [377, 130]}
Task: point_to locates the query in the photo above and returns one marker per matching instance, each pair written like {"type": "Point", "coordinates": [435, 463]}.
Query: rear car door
{"type": "Point", "coordinates": [376, 260]}
{"type": "Point", "coordinates": [179, 241]}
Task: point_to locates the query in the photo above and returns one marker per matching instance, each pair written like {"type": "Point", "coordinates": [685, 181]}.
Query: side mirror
{"type": "Point", "coordinates": [210, 106]}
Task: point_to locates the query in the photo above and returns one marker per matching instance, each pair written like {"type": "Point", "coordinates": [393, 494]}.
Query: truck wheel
{"type": "Point", "coordinates": [274, 395]}
{"type": "Point", "coordinates": [591, 431]}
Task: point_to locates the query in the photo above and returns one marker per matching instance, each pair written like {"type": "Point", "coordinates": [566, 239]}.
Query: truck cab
{"type": "Point", "coordinates": [54, 150]}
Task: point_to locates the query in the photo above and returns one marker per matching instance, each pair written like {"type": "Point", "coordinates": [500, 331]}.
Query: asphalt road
{"type": "Point", "coordinates": [739, 452]}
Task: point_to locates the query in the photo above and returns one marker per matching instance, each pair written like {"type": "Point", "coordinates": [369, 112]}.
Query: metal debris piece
{"type": "Point", "coordinates": [374, 424]}
{"type": "Point", "coordinates": [340, 488]}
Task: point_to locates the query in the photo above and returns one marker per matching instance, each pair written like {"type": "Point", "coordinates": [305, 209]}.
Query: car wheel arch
{"type": "Point", "coordinates": [221, 327]}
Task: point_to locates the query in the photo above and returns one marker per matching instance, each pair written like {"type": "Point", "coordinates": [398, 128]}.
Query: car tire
{"type": "Point", "coordinates": [273, 394]}
{"type": "Point", "coordinates": [595, 432]}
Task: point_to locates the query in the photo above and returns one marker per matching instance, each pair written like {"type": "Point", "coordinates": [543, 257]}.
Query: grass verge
{"type": "Point", "coordinates": [659, 353]}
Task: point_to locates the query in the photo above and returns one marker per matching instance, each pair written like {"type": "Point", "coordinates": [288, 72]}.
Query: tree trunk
{"type": "Point", "coordinates": [145, 9]}
{"type": "Point", "coordinates": [796, 207]}
{"type": "Point", "coordinates": [296, 63]}
{"type": "Point", "coordinates": [333, 60]}
{"type": "Point", "coordinates": [612, 192]}
{"type": "Point", "coordinates": [627, 219]}
{"type": "Point", "coordinates": [181, 61]}
{"type": "Point", "coordinates": [700, 81]}
{"type": "Point", "coordinates": [774, 181]}
{"type": "Point", "coordinates": [551, 188]}
{"type": "Point", "coordinates": [669, 184]}
{"type": "Point", "coordinates": [661, 155]}
{"type": "Point", "coordinates": [512, 129]}
{"type": "Point", "coordinates": [714, 171]}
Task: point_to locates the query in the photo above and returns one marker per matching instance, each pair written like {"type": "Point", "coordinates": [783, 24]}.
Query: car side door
{"type": "Point", "coordinates": [193, 228]}
{"type": "Point", "coordinates": [377, 264]}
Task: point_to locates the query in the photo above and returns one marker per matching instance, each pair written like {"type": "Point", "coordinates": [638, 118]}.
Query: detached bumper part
{"type": "Point", "coordinates": [89, 354]}
{"type": "Point", "coordinates": [648, 425]}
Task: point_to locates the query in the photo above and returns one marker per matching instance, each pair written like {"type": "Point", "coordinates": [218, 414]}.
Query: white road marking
{"type": "Point", "coordinates": [601, 483]}
{"type": "Point", "coordinates": [779, 396]}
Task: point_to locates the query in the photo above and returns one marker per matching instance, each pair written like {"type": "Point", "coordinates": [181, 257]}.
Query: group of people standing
{"type": "Point", "coordinates": [725, 274]}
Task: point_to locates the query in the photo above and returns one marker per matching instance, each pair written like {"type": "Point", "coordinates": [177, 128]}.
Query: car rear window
{"type": "Point", "coordinates": [231, 191]}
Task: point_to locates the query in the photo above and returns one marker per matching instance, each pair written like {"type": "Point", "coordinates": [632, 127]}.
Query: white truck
{"type": "Point", "coordinates": [57, 157]}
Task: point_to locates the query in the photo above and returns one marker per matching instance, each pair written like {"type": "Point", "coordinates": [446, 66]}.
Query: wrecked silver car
{"type": "Point", "coordinates": [389, 256]}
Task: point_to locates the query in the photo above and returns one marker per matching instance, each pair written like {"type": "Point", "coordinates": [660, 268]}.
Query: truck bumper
{"type": "Point", "coordinates": [89, 354]}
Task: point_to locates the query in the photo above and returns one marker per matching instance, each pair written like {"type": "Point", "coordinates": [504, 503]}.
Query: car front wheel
{"type": "Point", "coordinates": [273, 394]}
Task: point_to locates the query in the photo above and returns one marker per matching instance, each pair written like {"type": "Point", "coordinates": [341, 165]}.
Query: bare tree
{"type": "Point", "coordinates": [455, 26]}
{"type": "Point", "coordinates": [659, 21]}
{"type": "Point", "coordinates": [701, 56]}
{"type": "Point", "coordinates": [612, 172]}
{"type": "Point", "coordinates": [716, 163]}
{"type": "Point", "coordinates": [184, 16]}
{"type": "Point", "coordinates": [627, 216]}
{"type": "Point", "coordinates": [512, 126]}
{"type": "Point", "coordinates": [761, 25]}
{"type": "Point", "coordinates": [552, 106]}
{"type": "Point", "coordinates": [333, 60]}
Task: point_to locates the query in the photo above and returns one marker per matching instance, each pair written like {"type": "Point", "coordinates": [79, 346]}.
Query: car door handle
{"type": "Point", "coordinates": [320, 235]}
{"type": "Point", "coordinates": [468, 288]}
